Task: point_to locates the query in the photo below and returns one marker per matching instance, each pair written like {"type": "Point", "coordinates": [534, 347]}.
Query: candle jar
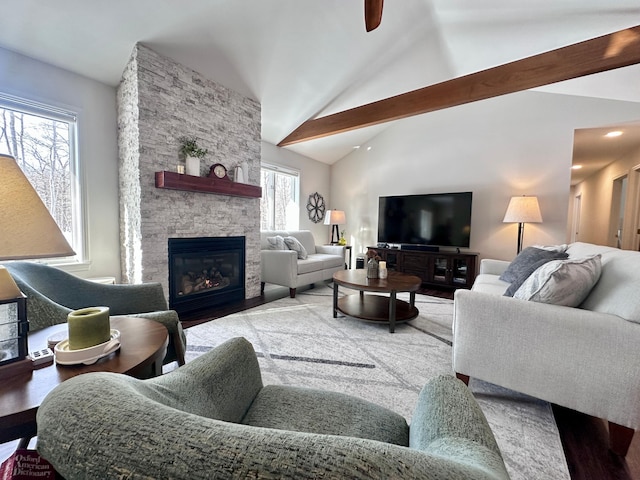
{"type": "Point", "coordinates": [372, 268]}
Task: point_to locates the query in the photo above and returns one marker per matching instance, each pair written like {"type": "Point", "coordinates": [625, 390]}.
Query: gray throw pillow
{"type": "Point", "coordinates": [562, 282]}
{"type": "Point", "coordinates": [276, 243]}
{"type": "Point", "coordinates": [527, 261]}
{"type": "Point", "coordinates": [294, 244]}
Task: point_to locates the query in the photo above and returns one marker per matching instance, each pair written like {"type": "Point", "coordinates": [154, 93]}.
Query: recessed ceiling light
{"type": "Point", "coordinates": [355, 147]}
{"type": "Point", "coordinates": [615, 133]}
{"type": "Point", "coordinates": [368, 148]}
{"type": "Point", "coordinates": [576, 167]}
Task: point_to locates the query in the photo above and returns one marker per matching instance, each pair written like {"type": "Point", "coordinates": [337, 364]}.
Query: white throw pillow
{"type": "Point", "coordinates": [562, 282]}
{"type": "Point", "coordinates": [276, 243]}
{"type": "Point", "coordinates": [294, 244]}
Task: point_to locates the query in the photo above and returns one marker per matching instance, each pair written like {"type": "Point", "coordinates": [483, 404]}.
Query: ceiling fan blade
{"type": "Point", "coordinates": [372, 14]}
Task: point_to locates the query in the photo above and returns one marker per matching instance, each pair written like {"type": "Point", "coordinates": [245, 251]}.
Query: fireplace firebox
{"type": "Point", "coordinates": [205, 272]}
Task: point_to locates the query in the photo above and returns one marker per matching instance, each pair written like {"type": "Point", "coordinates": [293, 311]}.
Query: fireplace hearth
{"type": "Point", "coordinates": [205, 272]}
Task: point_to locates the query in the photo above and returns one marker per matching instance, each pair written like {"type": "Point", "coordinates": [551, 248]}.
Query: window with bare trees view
{"type": "Point", "coordinates": [279, 206]}
{"type": "Point", "coordinates": [42, 140]}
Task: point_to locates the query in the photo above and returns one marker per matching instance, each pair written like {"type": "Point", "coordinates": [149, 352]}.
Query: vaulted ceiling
{"type": "Point", "coordinates": [303, 59]}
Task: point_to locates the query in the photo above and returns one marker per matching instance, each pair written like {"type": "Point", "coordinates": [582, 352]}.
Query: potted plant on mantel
{"type": "Point", "coordinates": [192, 155]}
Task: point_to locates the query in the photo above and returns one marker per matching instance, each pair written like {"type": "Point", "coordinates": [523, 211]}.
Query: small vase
{"type": "Point", "coordinates": [372, 268]}
{"type": "Point", "coordinates": [193, 166]}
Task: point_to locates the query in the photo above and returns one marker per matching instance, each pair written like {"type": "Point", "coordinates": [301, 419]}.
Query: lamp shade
{"type": "Point", "coordinates": [28, 230]}
{"type": "Point", "coordinates": [335, 217]}
{"type": "Point", "coordinates": [523, 210]}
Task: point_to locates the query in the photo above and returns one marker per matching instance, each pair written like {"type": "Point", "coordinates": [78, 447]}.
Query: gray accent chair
{"type": "Point", "coordinates": [213, 418]}
{"type": "Point", "coordinates": [53, 293]}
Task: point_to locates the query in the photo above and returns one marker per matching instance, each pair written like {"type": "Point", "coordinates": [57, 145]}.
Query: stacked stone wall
{"type": "Point", "coordinates": [160, 101]}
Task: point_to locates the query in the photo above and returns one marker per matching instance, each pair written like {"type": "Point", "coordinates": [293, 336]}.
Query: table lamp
{"type": "Point", "coordinates": [522, 210]}
{"type": "Point", "coordinates": [335, 218]}
{"type": "Point", "coordinates": [28, 232]}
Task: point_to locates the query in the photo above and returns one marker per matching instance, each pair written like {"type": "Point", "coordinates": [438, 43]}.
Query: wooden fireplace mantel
{"type": "Point", "coordinates": [180, 181]}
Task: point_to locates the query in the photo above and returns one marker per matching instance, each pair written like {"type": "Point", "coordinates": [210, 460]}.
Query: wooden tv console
{"type": "Point", "coordinates": [443, 269]}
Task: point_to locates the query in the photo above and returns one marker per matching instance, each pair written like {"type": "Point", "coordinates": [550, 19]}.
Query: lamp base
{"type": "Point", "coordinates": [20, 367]}
{"type": "Point", "coordinates": [335, 235]}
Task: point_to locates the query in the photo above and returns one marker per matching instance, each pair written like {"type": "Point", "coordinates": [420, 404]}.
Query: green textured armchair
{"type": "Point", "coordinates": [53, 293]}
{"type": "Point", "coordinates": [213, 418]}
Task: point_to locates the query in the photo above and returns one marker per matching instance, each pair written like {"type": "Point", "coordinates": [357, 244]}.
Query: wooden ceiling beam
{"type": "Point", "coordinates": [608, 52]}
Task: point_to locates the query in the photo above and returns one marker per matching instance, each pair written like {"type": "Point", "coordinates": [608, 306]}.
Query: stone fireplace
{"type": "Point", "coordinates": [160, 101]}
{"type": "Point", "coordinates": [205, 272]}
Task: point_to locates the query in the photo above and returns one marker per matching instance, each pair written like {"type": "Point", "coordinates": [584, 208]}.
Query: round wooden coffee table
{"type": "Point", "coordinates": [376, 308]}
{"type": "Point", "coordinates": [142, 349]}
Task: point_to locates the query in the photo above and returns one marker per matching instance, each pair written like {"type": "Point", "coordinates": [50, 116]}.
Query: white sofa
{"type": "Point", "coordinates": [283, 267]}
{"type": "Point", "coordinates": [585, 358]}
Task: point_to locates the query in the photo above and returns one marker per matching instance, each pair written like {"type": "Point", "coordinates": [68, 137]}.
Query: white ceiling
{"type": "Point", "coordinates": [306, 58]}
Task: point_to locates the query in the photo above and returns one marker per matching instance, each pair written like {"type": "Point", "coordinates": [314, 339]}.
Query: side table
{"type": "Point", "coordinates": [348, 249]}
{"type": "Point", "coordinates": [142, 349]}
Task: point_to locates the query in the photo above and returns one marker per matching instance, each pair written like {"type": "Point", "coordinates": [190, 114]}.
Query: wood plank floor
{"type": "Point", "coordinates": [584, 438]}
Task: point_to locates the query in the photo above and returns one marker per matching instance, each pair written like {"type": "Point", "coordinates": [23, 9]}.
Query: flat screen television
{"type": "Point", "coordinates": [436, 219]}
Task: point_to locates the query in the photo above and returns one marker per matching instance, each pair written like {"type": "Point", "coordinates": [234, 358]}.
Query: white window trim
{"type": "Point", "coordinates": [32, 107]}
{"type": "Point", "coordinates": [288, 171]}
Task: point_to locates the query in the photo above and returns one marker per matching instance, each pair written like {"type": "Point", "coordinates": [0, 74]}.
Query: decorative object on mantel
{"type": "Point", "coordinates": [238, 174]}
{"type": "Point", "coordinates": [188, 183]}
{"type": "Point", "coordinates": [335, 218]}
{"type": "Point", "coordinates": [316, 207]}
{"type": "Point", "coordinates": [28, 231]}
{"type": "Point", "coordinates": [372, 264]}
{"type": "Point", "coordinates": [192, 154]}
{"type": "Point", "coordinates": [522, 210]}
{"type": "Point", "coordinates": [218, 172]}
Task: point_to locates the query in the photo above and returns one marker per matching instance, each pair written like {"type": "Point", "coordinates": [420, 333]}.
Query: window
{"type": "Point", "coordinates": [280, 205]}
{"type": "Point", "coordinates": [42, 140]}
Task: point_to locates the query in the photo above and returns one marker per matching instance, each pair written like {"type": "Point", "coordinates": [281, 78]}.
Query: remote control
{"type": "Point", "coordinates": [41, 357]}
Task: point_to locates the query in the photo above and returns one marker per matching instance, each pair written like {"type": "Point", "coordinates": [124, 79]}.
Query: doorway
{"type": "Point", "coordinates": [577, 208]}
{"type": "Point", "coordinates": [618, 202]}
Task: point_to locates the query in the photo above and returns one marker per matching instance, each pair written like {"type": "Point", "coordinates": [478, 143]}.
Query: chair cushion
{"type": "Point", "coordinates": [329, 261]}
{"type": "Point", "coordinates": [331, 413]}
{"type": "Point", "coordinates": [489, 283]}
{"type": "Point", "coordinates": [311, 264]}
{"type": "Point", "coordinates": [562, 282]}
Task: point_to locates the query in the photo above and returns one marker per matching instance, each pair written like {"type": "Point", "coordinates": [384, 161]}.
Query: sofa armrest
{"type": "Point", "coordinates": [448, 421]}
{"type": "Point", "coordinates": [583, 360]}
{"type": "Point", "coordinates": [493, 267]}
{"type": "Point", "coordinates": [330, 249]}
{"type": "Point", "coordinates": [279, 267]}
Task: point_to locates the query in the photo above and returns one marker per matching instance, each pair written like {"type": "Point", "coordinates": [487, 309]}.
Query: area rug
{"type": "Point", "coordinates": [298, 342]}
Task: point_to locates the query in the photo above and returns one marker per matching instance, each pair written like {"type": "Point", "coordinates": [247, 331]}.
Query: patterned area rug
{"type": "Point", "coordinates": [298, 342]}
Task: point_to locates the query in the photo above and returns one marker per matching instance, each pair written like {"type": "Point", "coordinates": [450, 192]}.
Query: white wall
{"type": "Point", "coordinates": [314, 177]}
{"type": "Point", "coordinates": [511, 145]}
{"type": "Point", "coordinates": [95, 104]}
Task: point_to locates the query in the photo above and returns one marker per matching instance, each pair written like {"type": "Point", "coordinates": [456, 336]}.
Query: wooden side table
{"type": "Point", "coordinates": [143, 347]}
{"type": "Point", "coordinates": [348, 249]}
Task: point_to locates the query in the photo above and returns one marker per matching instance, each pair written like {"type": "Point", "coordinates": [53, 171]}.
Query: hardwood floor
{"type": "Point", "coordinates": [584, 438]}
{"type": "Point", "coordinates": [586, 446]}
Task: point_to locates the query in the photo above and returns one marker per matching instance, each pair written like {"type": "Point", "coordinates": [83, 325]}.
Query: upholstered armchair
{"type": "Point", "coordinates": [53, 293]}
{"type": "Point", "coordinates": [213, 418]}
